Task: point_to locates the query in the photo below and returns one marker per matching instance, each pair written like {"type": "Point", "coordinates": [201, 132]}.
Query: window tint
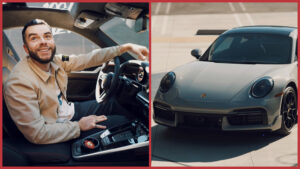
{"type": "Point", "coordinates": [252, 48]}
{"type": "Point", "coordinates": [225, 45]}
{"type": "Point", "coordinates": [123, 31]}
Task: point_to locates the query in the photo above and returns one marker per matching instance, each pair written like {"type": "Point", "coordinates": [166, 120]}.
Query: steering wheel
{"type": "Point", "coordinates": [109, 82]}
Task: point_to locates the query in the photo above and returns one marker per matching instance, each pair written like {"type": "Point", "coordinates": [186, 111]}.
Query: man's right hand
{"type": "Point", "coordinates": [141, 51]}
{"type": "Point", "coordinates": [90, 122]}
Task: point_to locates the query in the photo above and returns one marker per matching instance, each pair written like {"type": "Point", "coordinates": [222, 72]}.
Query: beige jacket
{"type": "Point", "coordinates": [31, 99]}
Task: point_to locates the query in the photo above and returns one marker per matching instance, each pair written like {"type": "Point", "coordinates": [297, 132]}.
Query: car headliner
{"type": "Point", "coordinates": [18, 14]}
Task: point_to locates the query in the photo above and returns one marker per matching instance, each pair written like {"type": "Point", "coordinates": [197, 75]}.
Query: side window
{"type": "Point", "coordinates": [67, 42]}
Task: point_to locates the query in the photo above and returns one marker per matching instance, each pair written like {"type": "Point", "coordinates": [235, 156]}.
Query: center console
{"type": "Point", "coordinates": [129, 136]}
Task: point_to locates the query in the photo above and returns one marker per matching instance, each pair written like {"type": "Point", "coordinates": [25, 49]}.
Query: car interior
{"type": "Point", "coordinates": [126, 82]}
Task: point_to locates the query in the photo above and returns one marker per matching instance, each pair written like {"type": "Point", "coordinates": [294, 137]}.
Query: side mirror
{"type": "Point", "coordinates": [196, 53]}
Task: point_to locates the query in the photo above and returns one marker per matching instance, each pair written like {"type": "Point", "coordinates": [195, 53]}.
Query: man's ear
{"type": "Point", "coordinates": [25, 48]}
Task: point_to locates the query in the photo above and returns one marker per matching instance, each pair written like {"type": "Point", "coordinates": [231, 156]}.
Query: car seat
{"type": "Point", "coordinates": [17, 151]}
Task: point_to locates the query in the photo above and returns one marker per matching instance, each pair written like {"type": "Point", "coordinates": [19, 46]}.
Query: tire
{"type": "Point", "coordinates": [289, 112]}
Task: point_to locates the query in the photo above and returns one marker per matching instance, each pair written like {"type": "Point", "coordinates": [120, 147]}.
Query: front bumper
{"type": "Point", "coordinates": [255, 118]}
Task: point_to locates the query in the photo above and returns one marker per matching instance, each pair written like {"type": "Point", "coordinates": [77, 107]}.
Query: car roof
{"type": "Point", "coordinates": [276, 30]}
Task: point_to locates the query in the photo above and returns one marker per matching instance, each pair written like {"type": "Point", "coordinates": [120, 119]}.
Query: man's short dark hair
{"type": "Point", "coordinates": [31, 23]}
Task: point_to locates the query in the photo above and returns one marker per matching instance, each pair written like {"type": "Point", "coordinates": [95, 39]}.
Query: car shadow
{"type": "Point", "coordinates": [193, 145]}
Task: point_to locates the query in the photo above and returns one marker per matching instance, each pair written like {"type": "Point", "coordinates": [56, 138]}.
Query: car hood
{"type": "Point", "coordinates": [215, 82]}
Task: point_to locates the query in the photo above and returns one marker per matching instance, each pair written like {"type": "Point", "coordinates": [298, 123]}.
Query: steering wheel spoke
{"type": "Point", "coordinates": [102, 78]}
{"type": "Point", "coordinates": [102, 75]}
{"type": "Point", "coordinates": [102, 96]}
{"type": "Point", "coordinates": [109, 82]}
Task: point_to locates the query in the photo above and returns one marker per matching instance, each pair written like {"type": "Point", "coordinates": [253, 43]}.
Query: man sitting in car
{"type": "Point", "coordinates": [35, 92]}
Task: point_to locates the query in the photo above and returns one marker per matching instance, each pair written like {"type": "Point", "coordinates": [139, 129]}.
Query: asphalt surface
{"type": "Point", "coordinates": [173, 37]}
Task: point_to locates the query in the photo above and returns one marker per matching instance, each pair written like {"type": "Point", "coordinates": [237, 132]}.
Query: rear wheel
{"type": "Point", "coordinates": [288, 111]}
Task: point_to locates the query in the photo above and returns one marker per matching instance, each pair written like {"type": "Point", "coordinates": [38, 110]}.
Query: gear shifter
{"type": "Point", "coordinates": [127, 136]}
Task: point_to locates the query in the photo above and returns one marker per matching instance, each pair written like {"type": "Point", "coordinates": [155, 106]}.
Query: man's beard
{"type": "Point", "coordinates": [34, 56]}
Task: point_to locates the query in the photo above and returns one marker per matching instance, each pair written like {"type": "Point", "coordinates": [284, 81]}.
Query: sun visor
{"type": "Point", "coordinates": [89, 15]}
{"type": "Point", "coordinates": [122, 10]}
{"type": "Point", "coordinates": [88, 19]}
{"type": "Point", "coordinates": [92, 15]}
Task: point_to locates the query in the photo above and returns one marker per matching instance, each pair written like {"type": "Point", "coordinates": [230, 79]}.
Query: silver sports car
{"type": "Point", "coordinates": [246, 80]}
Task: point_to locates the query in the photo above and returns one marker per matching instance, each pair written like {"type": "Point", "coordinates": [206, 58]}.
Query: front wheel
{"type": "Point", "coordinates": [288, 111]}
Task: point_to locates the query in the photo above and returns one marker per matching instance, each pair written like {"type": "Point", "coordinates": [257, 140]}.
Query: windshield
{"type": "Point", "coordinates": [252, 49]}
{"type": "Point", "coordinates": [123, 31]}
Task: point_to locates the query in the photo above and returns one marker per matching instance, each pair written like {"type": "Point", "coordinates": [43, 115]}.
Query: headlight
{"type": "Point", "coordinates": [262, 87]}
{"type": "Point", "coordinates": [167, 82]}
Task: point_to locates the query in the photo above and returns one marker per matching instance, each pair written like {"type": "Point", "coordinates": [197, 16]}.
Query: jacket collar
{"type": "Point", "coordinates": [39, 72]}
